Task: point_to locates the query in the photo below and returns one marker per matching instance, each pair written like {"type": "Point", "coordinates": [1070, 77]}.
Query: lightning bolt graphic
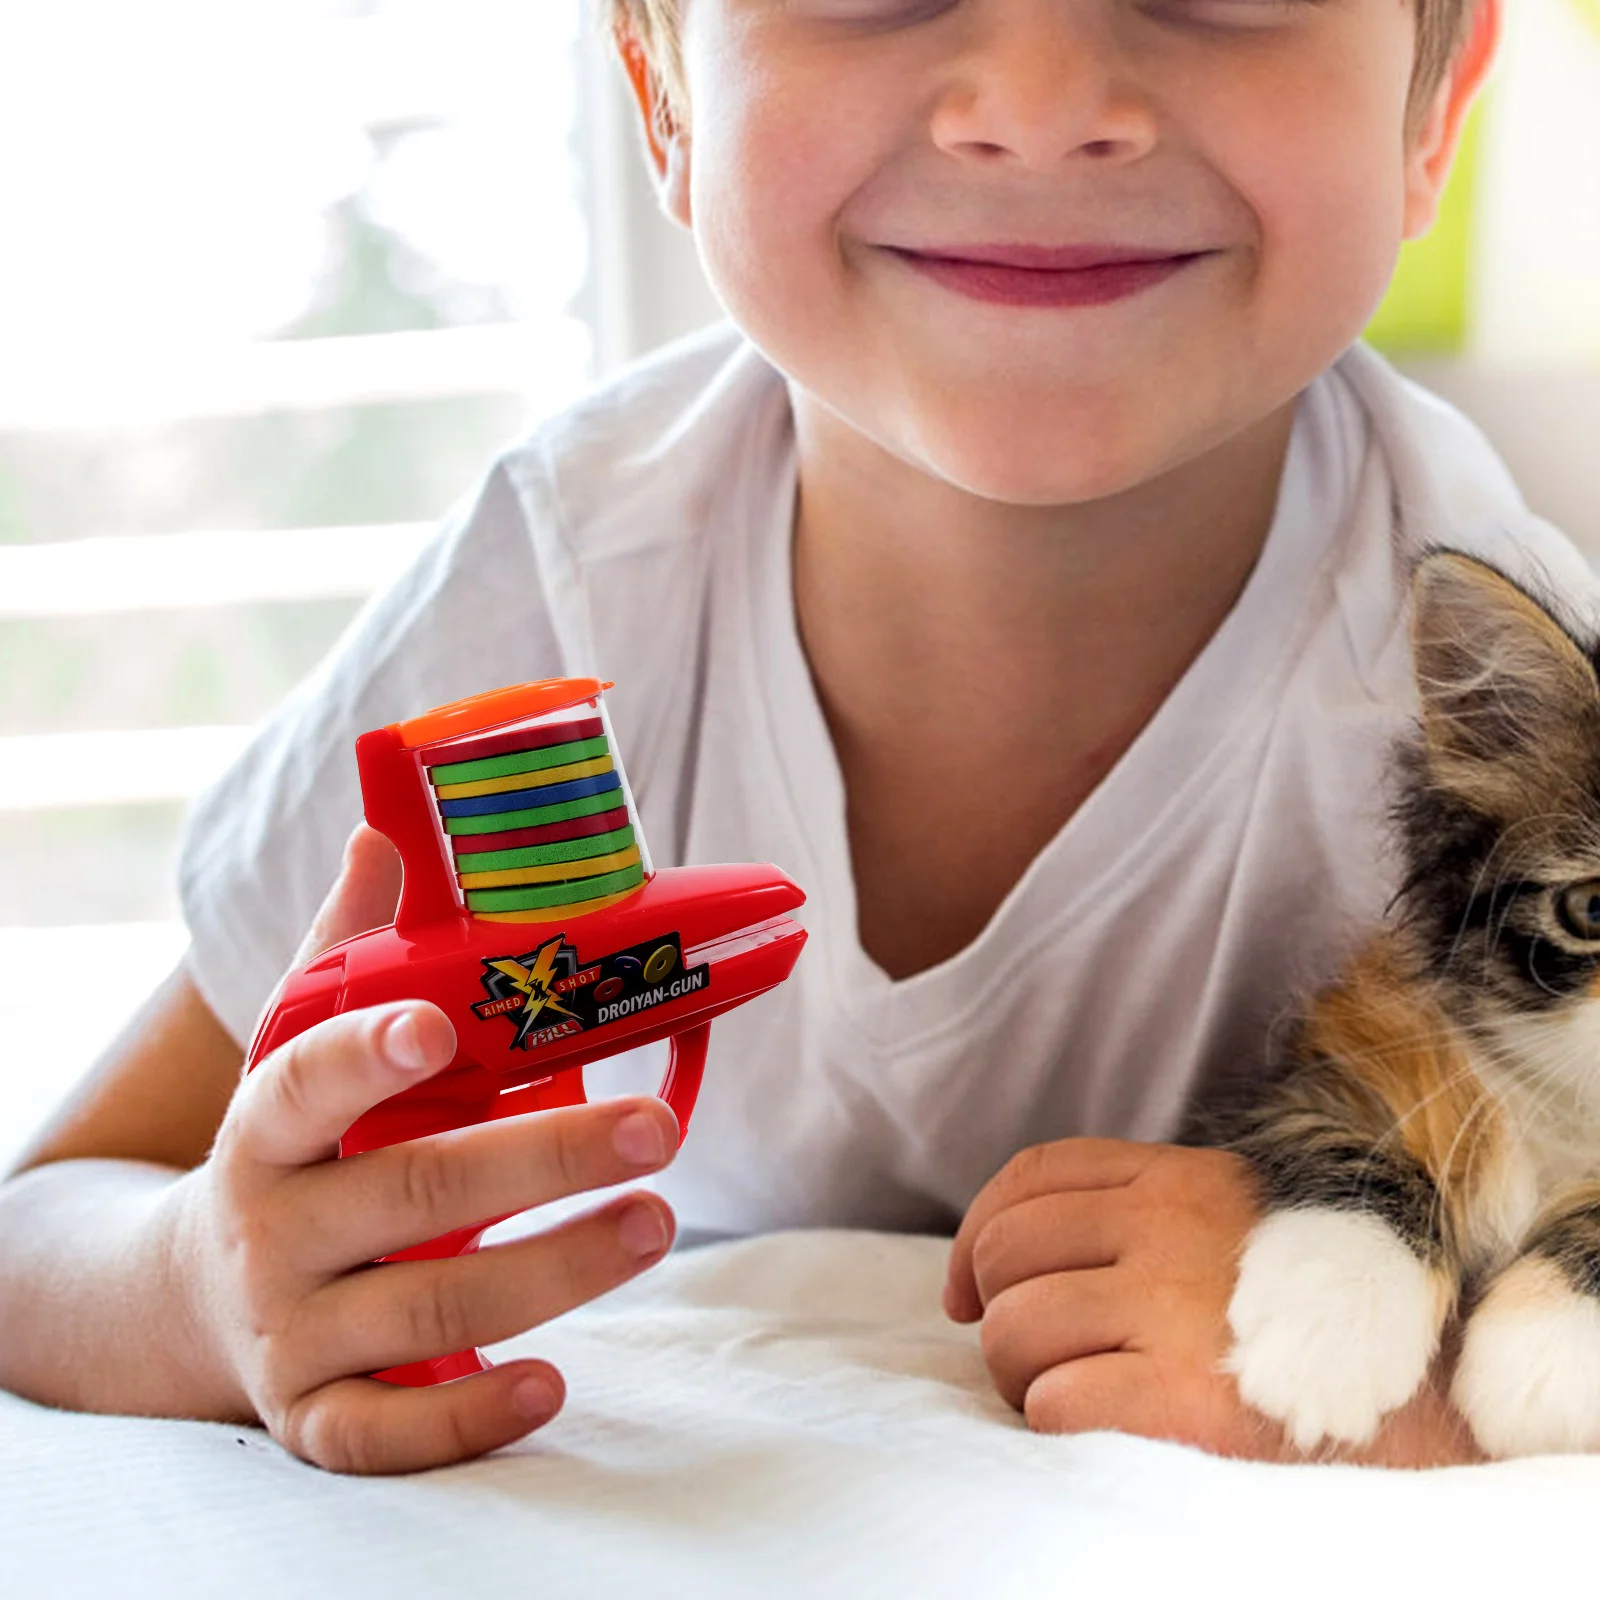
{"type": "Point", "coordinates": [534, 982]}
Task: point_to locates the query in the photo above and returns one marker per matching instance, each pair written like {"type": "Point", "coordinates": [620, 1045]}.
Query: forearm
{"type": "Point", "coordinates": [97, 1311]}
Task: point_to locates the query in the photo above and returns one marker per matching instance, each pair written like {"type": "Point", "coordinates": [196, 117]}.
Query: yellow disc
{"type": "Point", "coordinates": [661, 962]}
{"type": "Point", "coordinates": [557, 872]}
{"type": "Point", "coordinates": [570, 913]}
{"type": "Point", "coordinates": [525, 780]}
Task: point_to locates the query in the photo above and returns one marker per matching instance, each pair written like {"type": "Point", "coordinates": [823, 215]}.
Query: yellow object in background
{"type": "Point", "coordinates": [1427, 307]}
{"type": "Point", "coordinates": [1507, 275]}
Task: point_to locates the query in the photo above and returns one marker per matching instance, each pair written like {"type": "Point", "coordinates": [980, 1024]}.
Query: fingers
{"type": "Point", "coordinates": [292, 1110]}
{"type": "Point", "coordinates": [1044, 1322]}
{"type": "Point", "coordinates": [411, 1310]}
{"type": "Point", "coordinates": [1132, 1392]}
{"type": "Point", "coordinates": [1055, 1233]}
{"type": "Point", "coordinates": [363, 896]}
{"type": "Point", "coordinates": [1129, 1392]}
{"type": "Point", "coordinates": [361, 1425]}
{"type": "Point", "coordinates": [387, 1200]}
{"type": "Point", "coordinates": [1115, 1390]}
{"type": "Point", "coordinates": [1068, 1164]}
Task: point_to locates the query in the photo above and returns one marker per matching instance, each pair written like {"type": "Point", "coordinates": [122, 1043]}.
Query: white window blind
{"type": "Point", "coordinates": [279, 278]}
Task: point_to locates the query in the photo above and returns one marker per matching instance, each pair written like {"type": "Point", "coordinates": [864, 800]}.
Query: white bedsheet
{"type": "Point", "coordinates": [782, 1416]}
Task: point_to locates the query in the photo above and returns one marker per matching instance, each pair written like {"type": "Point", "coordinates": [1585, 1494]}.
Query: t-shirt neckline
{"type": "Point", "coordinates": [1220, 712]}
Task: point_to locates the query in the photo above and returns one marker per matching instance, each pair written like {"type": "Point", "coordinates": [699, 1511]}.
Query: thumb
{"type": "Point", "coordinates": [363, 896]}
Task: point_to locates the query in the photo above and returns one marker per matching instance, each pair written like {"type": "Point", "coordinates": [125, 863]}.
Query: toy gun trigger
{"type": "Point", "coordinates": [686, 1065]}
{"type": "Point", "coordinates": [680, 1086]}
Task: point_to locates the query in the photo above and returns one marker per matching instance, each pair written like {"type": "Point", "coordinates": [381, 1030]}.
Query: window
{"type": "Point", "coordinates": [281, 276]}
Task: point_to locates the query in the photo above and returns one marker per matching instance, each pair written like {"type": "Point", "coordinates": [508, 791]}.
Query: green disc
{"type": "Point", "coordinates": [554, 894]}
{"type": "Point", "coordinates": [542, 855]}
{"type": "Point", "coordinates": [505, 821]}
{"type": "Point", "coordinates": [556, 755]}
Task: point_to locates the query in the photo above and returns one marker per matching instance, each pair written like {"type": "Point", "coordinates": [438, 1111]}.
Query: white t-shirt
{"type": "Point", "coordinates": [1230, 859]}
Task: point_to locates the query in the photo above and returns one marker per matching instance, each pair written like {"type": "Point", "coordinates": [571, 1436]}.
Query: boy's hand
{"type": "Point", "coordinates": [1102, 1272]}
{"type": "Point", "coordinates": [275, 1235]}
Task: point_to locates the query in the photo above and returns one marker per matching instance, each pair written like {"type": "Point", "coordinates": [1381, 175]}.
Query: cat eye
{"type": "Point", "coordinates": [1578, 910]}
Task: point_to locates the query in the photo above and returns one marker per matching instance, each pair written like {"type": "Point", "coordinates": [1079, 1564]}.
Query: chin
{"type": "Point", "coordinates": [1061, 464]}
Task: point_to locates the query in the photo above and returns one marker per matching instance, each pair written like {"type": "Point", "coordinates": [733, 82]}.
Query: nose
{"type": "Point", "coordinates": [1040, 82]}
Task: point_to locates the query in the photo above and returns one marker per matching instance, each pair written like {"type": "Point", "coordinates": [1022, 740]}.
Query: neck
{"type": "Point", "coordinates": [917, 600]}
{"type": "Point", "coordinates": [953, 638]}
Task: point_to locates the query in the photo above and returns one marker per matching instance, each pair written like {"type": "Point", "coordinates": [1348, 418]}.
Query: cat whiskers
{"type": "Point", "coordinates": [1496, 851]}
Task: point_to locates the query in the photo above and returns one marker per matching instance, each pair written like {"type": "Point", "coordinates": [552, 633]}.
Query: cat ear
{"type": "Point", "coordinates": [1510, 702]}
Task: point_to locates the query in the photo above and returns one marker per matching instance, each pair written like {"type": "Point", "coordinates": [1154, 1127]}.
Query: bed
{"type": "Point", "coordinates": [783, 1416]}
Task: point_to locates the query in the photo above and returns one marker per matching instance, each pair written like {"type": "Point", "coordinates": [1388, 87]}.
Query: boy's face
{"type": "Point", "coordinates": [1222, 186]}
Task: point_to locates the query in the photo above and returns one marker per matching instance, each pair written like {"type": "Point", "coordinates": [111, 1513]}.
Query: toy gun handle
{"type": "Point", "coordinates": [679, 1088]}
{"type": "Point", "coordinates": [313, 996]}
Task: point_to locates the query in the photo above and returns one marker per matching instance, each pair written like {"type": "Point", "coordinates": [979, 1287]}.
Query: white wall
{"type": "Point", "coordinates": [1545, 422]}
{"type": "Point", "coordinates": [1535, 279]}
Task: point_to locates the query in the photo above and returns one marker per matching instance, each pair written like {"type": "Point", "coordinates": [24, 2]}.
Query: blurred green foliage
{"type": "Point", "coordinates": [1428, 307]}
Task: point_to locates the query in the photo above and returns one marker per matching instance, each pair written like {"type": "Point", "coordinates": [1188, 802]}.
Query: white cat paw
{"type": "Point", "coordinates": [1528, 1381]}
{"type": "Point", "coordinates": [1335, 1323]}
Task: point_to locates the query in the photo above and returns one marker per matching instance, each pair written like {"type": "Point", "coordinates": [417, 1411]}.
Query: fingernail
{"type": "Point", "coordinates": [638, 1138]}
{"type": "Point", "coordinates": [642, 1231]}
{"type": "Point", "coordinates": [535, 1399]}
{"type": "Point", "coordinates": [402, 1043]}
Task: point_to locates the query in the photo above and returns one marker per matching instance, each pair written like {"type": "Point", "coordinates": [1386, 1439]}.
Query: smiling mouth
{"type": "Point", "coordinates": [1032, 275]}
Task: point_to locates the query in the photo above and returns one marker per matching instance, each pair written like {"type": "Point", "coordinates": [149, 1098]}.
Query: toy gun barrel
{"type": "Point", "coordinates": [693, 943]}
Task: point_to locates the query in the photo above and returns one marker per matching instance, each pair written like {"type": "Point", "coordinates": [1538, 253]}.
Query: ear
{"type": "Point", "coordinates": [665, 137]}
{"type": "Point", "coordinates": [1432, 146]}
{"type": "Point", "coordinates": [1510, 703]}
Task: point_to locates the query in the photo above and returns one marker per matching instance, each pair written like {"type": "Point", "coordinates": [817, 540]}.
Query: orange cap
{"type": "Point", "coordinates": [479, 712]}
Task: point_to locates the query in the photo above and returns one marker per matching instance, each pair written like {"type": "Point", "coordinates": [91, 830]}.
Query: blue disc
{"type": "Point", "coordinates": [487, 805]}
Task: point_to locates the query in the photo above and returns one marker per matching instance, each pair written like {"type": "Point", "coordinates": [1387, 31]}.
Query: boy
{"type": "Point", "coordinates": [1024, 577]}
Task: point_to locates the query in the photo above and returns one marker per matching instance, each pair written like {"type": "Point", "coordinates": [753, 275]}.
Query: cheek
{"type": "Point", "coordinates": [1326, 187]}
{"type": "Point", "coordinates": [769, 180]}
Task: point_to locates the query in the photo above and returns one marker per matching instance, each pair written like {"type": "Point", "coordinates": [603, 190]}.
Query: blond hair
{"type": "Point", "coordinates": [1442, 27]}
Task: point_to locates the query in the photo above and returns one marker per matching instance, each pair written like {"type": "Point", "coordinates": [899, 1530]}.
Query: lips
{"type": "Point", "coordinates": [1037, 275]}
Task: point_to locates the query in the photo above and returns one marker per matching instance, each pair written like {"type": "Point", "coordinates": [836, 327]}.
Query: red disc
{"type": "Point", "coordinates": [471, 844]}
{"type": "Point", "coordinates": [508, 741]}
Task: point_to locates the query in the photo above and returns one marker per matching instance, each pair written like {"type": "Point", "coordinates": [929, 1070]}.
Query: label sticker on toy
{"type": "Point", "coordinates": [552, 992]}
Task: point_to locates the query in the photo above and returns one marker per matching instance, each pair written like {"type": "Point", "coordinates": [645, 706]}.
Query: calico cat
{"type": "Point", "coordinates": [1429, 1148]}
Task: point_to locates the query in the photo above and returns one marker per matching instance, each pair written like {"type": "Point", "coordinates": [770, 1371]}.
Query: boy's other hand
{"type": "Point", "coordinates": [1102, 1272]}
{"type": "Point", "coordinates": [365, 896]}
{"type": "Point", "coordinates": [275, 1234]}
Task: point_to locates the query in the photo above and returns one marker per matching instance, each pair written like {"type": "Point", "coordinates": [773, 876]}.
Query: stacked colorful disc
{"type": "Point", "coordinates": [538, 820]}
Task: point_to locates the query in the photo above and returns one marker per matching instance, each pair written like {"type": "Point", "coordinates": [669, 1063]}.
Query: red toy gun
{"type": "Point", "coordinates": [531, 916]}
